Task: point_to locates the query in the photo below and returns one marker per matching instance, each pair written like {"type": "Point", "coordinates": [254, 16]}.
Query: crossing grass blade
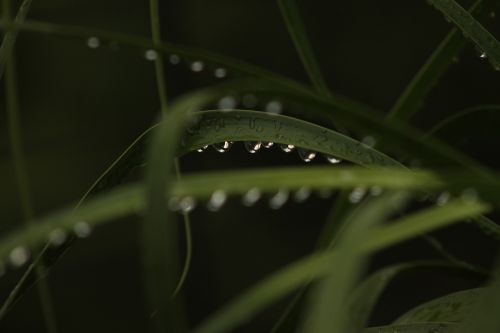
{"type": "Point", "coordinates": [472, 29]}
{"type": "Point", "coordinates": [326, 311]}
{"type": "Point", "coordinates": [411, 99]}
{"type": "Point", "coordinates": [297, 31]}
{"type": "Point", "coordinates": [318, 265]}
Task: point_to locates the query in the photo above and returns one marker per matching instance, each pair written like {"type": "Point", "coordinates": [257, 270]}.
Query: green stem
{"type": "Point", "coordinates": [19, 160]}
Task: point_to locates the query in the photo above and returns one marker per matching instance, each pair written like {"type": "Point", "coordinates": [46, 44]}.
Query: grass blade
{"type": "Point", "coordinates": [410, 100]}
{"type": "Point", "coordinates": [414, 328]}
{"type": "Point", "coordinates": [297, 31]}
{"type": "Point", "coordinates": [484, 40]}
{"type": "Point", "coordinates": [326, 311]}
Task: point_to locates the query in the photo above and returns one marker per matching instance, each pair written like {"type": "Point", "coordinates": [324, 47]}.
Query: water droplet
{"type": "Point", "coordinates": [267, 144]}
{"type": "Point", "coordinates": [187, 204]}
{"type": "Point", "coordinates": [332, 159]}
{"type": "Point", "coordinates": [469, 195]}
{"type": "Point", "coordinates": [357, 194]}
{"type": "Point", "coordinates": [287, 148]}
{"type": "Point", "coordinates": [197, 66]}
{"type": "Point", "coordinates": [369, 141]}
{"type": "Point", "coordinates": [226, 103]}
{"type": "Point", "coordinates": [443, 198]}
{"type": "Point", "coordinates": [302, 194]}
{"type": "Point", "coordinates": [306, 155]}
{"type": "Point", "coordinates": [174, 59]}
{"type": "Point", "coordinates": [19, 256]}
{"type": "Point", "coordinates": [82, 229]}
{"type": "Point", "coordinates": [220, 73]}
{"type": "Point", "coordinates": [202, 149]}
{"type": "Point", "coordinates": [483, 55]}
{"type": "Point", "coordinates": [249, 101]}
{"type": "Point", "coordinates": [57, 237]}
{"type": "Point", "coordinates": [222, 147]}
{"type": "Point", "coordinates": [274, 107]}
{"type": "Point", "coordinates": [217, 200]}
{"type": "Point", "coordinates": [93, 42]}
{"type": "Point", "coordinates": [376, 191]}
{"type": "Point", "coordinates": [253, 146]}
{"type": "Point", "coordinates": [150, 55]}
{"type": "Point", "coordinates": [251, 197]}
{"type": "Point", "coordinates": [279, 199]}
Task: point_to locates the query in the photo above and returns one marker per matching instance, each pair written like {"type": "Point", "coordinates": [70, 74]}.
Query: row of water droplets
{"type": "Point", "coordinates": [219, 197]}
{"type": "Point", "coordinates": [253, 147]}
{"type": "Point", "coordinates": [20, 255]}
{"type": "Point", "coordinates": [196, 66]}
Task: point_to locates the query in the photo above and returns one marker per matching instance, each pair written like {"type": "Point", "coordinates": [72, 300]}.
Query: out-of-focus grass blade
{"type": "Point", "coordinates": [364, 298]}
{"type": "Point", "coordinates": [326, 311]}
{"type": "Point", "coordinates": [454, 307]}
{"type": "Point", "coordinates": [293, 276]}
{"type": "Point", "coordinates": [411, 99]}
{"type": "Point", "coordinates": [10, 36]}
{"type": "Point", "coordinates": [472, 29]}
{"type": "Point", "coordinates": [484, 316]}
{"type": "Point", "coordinates": [297, 31]}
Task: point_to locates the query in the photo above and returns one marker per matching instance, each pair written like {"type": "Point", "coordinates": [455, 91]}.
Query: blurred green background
{"type": "Point", "coordinates": [81, 107]}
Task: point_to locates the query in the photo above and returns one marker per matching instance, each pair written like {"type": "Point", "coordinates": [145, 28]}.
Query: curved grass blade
{"type": "Point", "coordinates": [240, 125]}
{"type": "Point", "coordinates": [454, 307]}
{"type": "Point", "coordinates": [297, 31]}
{"type": "Point", "coordinates": [326, 311]}
{"type": "Point", "coordinates": [471, 28]}
{"type": "Point", "coordinates": [456, 116]}
{"type": "Point", "coordinates": [10, 36]}
{"type": "Point", "coordinates": [411, 99]}
{"type": "Point", "coordinates": [318, 265]}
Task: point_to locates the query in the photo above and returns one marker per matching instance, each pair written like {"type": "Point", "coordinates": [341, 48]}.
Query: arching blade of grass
{"type": "Point", "coordinates": [456, 116]}
{"type": "Point", "coordinates": [10, 36]}
{"type": "Point", "coordinates": [240, 125]}
{"type": "Point", "coordinates": [454, 307]}
{"type": "Point", "coordinates": [412, 98]}
{"type": "Point", "coordinates": [364, 298]}
{"type": "Point", "coordinates": [326, 311]}
{"type": "Point", "coordinates": [293, 276]}
{"type": "Point", "coordinates": [297, 31]}
{"type": "Point", "coordinates": [471, 28]}
{"type": "Point", "coordinates": [484, 316]}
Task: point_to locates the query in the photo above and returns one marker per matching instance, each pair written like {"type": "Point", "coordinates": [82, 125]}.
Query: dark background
{"type": "Point", "coordinates": [81, 107]}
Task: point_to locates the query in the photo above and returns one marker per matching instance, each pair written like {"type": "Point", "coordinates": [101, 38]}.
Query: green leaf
{"type": "Point", "coordinates": [484, 316]}
{"type": "Point", "coordinates": [297, 31]}
{"type": "Point", "coordinates": [472, 29]}
{"type": "Point", "coordinates": [454, 307]}
{"type": "Point", "coordinates": [364, 298]}
{"type": "Point", "coordinates": [414, 328]}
